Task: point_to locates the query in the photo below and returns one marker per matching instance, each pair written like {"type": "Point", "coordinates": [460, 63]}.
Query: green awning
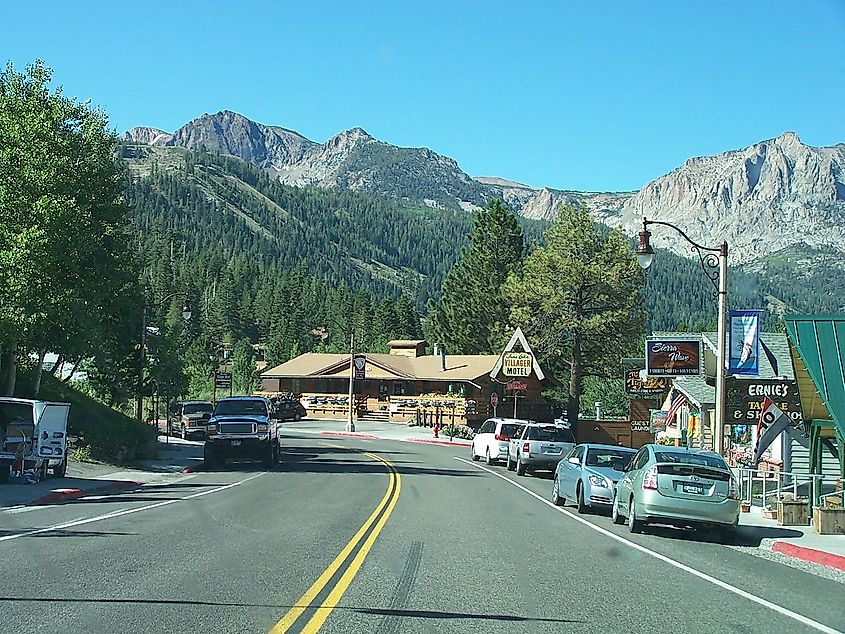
{"type": "Point", "coordinates": [819, 341]}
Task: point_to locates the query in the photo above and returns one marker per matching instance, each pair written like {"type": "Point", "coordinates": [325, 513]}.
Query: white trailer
{"type": "Point", "coordinates": [33, 435]}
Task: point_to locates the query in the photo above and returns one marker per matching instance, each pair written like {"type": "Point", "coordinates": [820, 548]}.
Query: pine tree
{"type": "Point", "coordinates": [468, 317]}
{"type": "Point", "coordinates": [578, 299]}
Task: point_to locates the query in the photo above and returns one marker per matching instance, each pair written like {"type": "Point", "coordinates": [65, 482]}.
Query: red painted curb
{"type": "Point", "coordinates": [193, 468]}
{"type": "Point", "coordinates": [349, 434]}
{"type": "Point", "coordinates": [63, 495]}
{"type": "Point", "coordinates": [444, 443]}
{"type": "Point", "coordinates": [810, 554]}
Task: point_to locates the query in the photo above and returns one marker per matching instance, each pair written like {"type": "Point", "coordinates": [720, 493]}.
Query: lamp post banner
{"type": "Point", "coordinates": [666, 356]}
{"type": "Point", "coordinates": [360, 362]}
{"type": "Point", "coordinates": [744, 358]}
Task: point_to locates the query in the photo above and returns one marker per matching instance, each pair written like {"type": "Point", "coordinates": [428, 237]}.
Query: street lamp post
{"type": "Point", "coordinates": [714, 262]}
{"type": "Point", "coordinates": [186, 315]}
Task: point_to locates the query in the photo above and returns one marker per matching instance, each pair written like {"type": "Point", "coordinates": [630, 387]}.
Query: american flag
{"type": "Point", "coordinates": [677, 403]}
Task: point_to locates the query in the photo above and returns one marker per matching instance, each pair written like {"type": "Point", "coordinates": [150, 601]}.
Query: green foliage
{"type": "Point", "coordinates": [105, 434]}
{"type": "Point", "coordinates": [65, 268]}
{"type": "Point", "coordinates": [470, 313]}
{"type": "Point", "coordinates": [578, 300]}
{"type": "Point", "coordinates": [244, 376]}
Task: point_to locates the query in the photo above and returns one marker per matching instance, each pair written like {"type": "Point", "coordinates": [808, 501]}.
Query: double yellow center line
{"type": "Point", "coordinates": [379, 518]}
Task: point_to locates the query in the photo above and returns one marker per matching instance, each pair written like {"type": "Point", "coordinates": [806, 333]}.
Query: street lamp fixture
{"type": "Point", "coordinates": [714, 263]}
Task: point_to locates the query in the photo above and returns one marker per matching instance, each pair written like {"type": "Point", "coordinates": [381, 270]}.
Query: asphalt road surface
{"type": "Point", "coordinates": [349, 535]}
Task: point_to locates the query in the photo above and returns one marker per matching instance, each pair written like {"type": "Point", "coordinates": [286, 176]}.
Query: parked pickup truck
{"type": "Point", "coordinates": [242, 427]}
{"type": "Point", "coordinates": [540, 446]}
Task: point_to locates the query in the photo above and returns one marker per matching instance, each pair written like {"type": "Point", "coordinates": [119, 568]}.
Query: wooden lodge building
{"type": "Point", "coordinates": [407, 384]}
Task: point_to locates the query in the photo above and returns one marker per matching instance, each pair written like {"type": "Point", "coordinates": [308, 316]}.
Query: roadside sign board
{"type": "Point", "coordinates": [672, 356]}
{"type": "Point", "coordinates": [657, 420]}
{"type": "Point", "coordinates": [516, 386]}
{"type": "Point", "coordinates": [744, 399]}
{"type": "Point", "coordinates": [517, 364]}
{"type": "Point", "coordinates": [360, 362]}
{"type": "Point", "coordinates": [650, 385]}
{"type": "Point", "coordinates": [494, 399]}
{"type": "Point", "coordinates": [222, 380]}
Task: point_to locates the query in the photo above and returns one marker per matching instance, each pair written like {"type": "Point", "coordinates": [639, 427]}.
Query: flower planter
{"type": "Point", "coordinates": [793, 513]}
{"type": "Point", "coordinates": [744, 507]}
{"type": "Point", "coordinates": [770, 514]}
{"type": "Point", "coordinates": [828, 521]}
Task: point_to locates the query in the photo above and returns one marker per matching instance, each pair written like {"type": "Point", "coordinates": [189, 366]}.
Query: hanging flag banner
{"type": "Point", "coordinates": [744, 358]}
{"type": "Point", "coordinates": [657, 420]}
{"type": "Point", "coordinates": [772, 422]}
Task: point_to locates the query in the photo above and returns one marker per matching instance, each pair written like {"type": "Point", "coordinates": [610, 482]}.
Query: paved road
{"type": "Point", "coordinates": [428, 542]}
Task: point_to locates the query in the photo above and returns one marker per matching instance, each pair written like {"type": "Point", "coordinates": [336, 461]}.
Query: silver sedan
{"type": "Point", "coordinates": [588, 475]}
{"type": "Point", "coordinates": [681, 487]}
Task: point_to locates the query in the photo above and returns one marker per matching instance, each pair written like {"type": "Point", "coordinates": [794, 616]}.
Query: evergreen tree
{"type": "Point", "coordinates": [578, 299]}
{"type": "Point", "coordinates": [470, 312]}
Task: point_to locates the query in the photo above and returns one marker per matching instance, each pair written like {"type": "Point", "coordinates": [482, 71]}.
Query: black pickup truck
{"type": "Point", "coordinates": [241, 427]}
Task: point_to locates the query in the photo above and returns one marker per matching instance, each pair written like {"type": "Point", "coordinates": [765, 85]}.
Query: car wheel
{"type": "Point", "coordinates": [488, 459]}
{"type": "Point", "coordinates": [475, 457]}
{"type": "Point", "coordinates": [582, 507]}
{"type": "Point", "coordinates": [269, 457]}
{"type": "Point", "coordinates": [634, 525]}
{"type": "Point", "coordinates": [510, 464]}
{"type": "Point", "coordinates": [520, 468]}
{"type": "Point", "coordinates": [60, 470]}
{"type": "Point", "coordinates": [184, 434]}
{"type": "Point", "coordinates": [297, 416]}
{"type": "Point", "coordinates": [557, 500]}
{"type": "Point", "coordinates": [210, 456]}
{"type": "Point", "coordinates": [276, 454]}
{"type": "Point", "coordinates": [615, 515]}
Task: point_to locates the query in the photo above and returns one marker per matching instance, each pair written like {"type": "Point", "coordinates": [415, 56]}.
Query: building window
{"type": "Point", "coordinates": [398, 389]}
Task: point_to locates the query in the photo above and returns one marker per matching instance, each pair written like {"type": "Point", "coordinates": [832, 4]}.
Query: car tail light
{"type": "Point", "coordinates": [733, 494]}
{"type": "Point", "coordinates": [650, 478]}
{"type": "Point", "coordinates": [502, 437]}
{"type": "Point", "coordinates": [526, 447]}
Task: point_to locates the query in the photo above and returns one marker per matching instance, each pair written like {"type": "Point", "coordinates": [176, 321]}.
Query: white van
{"type": "Point", "coordinates": [33, 435]}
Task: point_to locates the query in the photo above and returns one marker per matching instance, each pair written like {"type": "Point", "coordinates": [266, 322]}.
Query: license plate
{"type": "Point", "coordinates": [693, 488]}
{"type": "Point", "coordinates": [236, 443]}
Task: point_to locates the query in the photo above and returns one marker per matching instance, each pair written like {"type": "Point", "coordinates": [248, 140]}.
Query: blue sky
{"type": "Point", "coordinates": [597, 96]}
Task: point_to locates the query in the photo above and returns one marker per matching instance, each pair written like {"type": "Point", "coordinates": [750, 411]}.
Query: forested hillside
{"type": "Point", "coordinates": [272, 263]}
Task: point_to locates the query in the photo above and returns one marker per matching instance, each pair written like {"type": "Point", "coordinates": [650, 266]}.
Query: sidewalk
{"type": "Point", "coordinates": [798, 542]}
{"type": "Point", "coordinates": [86, 478]}
{"type": "Point", "coordinates": [371, 431]}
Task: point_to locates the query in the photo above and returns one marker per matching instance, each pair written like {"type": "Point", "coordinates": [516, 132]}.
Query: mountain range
{"type": "Point", "coordinates": [762, 199]}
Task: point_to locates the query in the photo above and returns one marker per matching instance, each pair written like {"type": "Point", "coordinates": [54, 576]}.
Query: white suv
{"type": "Point", "coordinates": [492, 440]}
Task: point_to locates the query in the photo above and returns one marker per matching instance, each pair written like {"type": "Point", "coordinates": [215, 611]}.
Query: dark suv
{"type": "Point", "coordinates": [242, 427]}
{"type": "Point", "coordinates": [287, 409]}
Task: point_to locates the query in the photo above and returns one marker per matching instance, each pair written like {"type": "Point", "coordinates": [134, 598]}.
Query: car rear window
{"type": "Point", "coordinates": [608, 458]}
{"type": "Point", "coordinates": [550, 434]}
{"type": "Point", "coordinates": [682, 457]}
{"type": "Point", "coordinates": [511, 431]}
{"type": "Point", "coordinates": [197, 408]}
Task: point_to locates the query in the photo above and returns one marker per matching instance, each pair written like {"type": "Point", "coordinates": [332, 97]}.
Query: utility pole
{"type": "Point", "coordinates": [350, 424]}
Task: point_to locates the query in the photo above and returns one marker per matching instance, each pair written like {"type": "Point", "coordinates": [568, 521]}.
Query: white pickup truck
{"type": "Point", "coordinates": [540, 446]}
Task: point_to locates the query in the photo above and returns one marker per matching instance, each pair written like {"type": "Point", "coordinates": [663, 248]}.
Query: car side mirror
{"type": "Point", "coordinates": [575, 460]}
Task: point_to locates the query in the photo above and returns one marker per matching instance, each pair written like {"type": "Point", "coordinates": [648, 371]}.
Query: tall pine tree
{"type": "Point", "coordinates": [468, 317]}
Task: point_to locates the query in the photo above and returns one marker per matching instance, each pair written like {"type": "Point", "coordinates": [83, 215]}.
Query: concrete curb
{"type": "Point", "coordinates": [443, 443]}
{"type": "Point", "coordinates": [810, 554]}
{"type": "Point", "coordinates": [63, 495]}
{"type": "Point", "coordinates": [349, 434]}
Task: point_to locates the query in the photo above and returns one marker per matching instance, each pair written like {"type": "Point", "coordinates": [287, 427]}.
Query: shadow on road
{"type": "Point", "coordinates": [750, 536]}
{"type": "Point", "coordinates": [420, 614]}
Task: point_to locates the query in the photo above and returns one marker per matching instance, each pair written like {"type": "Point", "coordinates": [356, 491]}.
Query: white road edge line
{"type": "Point", "coordinates": [107, 516]}
{"type": "Point", "coordinates": [717, 582]}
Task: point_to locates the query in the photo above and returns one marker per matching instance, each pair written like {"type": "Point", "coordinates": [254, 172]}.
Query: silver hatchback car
{"type": "Point", "coordinates": [677, 486]}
